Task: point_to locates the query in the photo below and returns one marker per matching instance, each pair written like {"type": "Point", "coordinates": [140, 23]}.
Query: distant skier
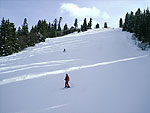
{"type": "Point", "coordinates": [66, 81]}
{"type": "Point", "coordinates": [64, 50]}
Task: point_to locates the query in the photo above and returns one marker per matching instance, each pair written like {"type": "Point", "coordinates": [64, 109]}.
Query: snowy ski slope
{"type": "Point", "coordinates": [108, 73]}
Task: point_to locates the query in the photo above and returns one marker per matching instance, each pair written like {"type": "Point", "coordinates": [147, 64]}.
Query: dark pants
{"type": "Point", "coordinates": [66, 84]}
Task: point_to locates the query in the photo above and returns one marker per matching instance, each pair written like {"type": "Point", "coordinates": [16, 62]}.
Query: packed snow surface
{"type": "Point", "coordinates": [108, 74]}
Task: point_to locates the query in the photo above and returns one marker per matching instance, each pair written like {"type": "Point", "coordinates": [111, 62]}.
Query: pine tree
{"type": "Point", "coordinates": [49, 29]}
{"type": "Point", "coordinates": [66, 30]}
{"type": "Point", "coordinates": [8, 40]}
{"type": "Point", "coordinates": [2, 37]}
{"type": "Point", "coordinates": [39, 25]}
{"type": "Point", "coordinates": [55, 24]}
{"type": "Point", "coordinates": [34, 36]}
{"type": "Point", "coordinates": [97, 26]}
{"type": "Point", "coordinates": [131, 22]}
{"type": "Point", "coordinates": [24, 37]}
{"type": "Point", "coordinates": [39, 30]}
{"type": "Point", "coordinates": [105, 25]}
{"type": "Point", "coordinates": [19, 33]}
{"type": "Point", "coordinates": [53, 31]}
{"type": "Point", "coordinates": [138, 24]}
{"type": "Point", "coordinates": [15, 40]}
{"type": "Point", "coordinates": [120, 23]}
{"type": "Point", "coordinates": [147, 25]}
{"type": "Point", "coordinates": [25, 31]}
{"type": "Point", "coordinates": [59, 28]}
{"type": "Point", "coordinates": [76, 24]}
{"type": "Point", "coordinates": [125, 26]}
{"type": "Point", "coordinates": [44, 30]}
{"type": "Point", "coordinates": [90, 24]}
{"type": "Point", "coordinates": [84, 26]}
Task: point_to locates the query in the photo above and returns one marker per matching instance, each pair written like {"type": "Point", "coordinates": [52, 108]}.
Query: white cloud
{"type": "Point", "coordinates": [83, 12]}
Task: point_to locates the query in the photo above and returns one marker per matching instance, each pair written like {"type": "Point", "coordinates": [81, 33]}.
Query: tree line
{"type": "Point", "coordinates": [13, 40]}
{"type": "Point", "coordinates": [139, 24]}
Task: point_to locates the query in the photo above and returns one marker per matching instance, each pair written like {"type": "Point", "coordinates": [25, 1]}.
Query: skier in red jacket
{"type": "Point", "coordinates": [66, 81]}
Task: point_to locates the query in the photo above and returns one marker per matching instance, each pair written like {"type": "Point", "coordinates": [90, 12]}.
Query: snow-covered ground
{"type": "Point", "coordinates": [108, 73]}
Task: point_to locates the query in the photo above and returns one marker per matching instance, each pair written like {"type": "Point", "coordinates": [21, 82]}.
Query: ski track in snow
{"type": "Point", "coordinates": [22, 69]}
{"type": "Point", "coordinates": [46, 109]}
{"type": "Point", "coordinates": [52, 107]}
{"type": "Point", "coordinates": [34, 65]}
{"type": "Point", "coordinates": [32, 76]}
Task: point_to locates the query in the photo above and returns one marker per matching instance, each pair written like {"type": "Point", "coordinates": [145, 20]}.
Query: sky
{"type": "Point", "coordinates": [100, 11]}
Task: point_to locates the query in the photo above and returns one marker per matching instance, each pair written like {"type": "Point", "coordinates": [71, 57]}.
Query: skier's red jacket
{"type": "Point", "coordinates": [67, 78]}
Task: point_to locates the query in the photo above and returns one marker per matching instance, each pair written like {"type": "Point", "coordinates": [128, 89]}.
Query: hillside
{"type": "Point", "coordinates": [108, 73]}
